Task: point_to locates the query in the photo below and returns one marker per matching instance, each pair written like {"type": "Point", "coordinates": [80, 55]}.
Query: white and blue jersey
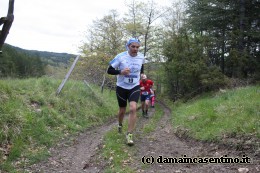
{"type": "Point", "coordinates": [124, 60]}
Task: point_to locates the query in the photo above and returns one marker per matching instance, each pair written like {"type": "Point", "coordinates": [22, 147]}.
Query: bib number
{"type": "Point", "coordinates": [130, 79]}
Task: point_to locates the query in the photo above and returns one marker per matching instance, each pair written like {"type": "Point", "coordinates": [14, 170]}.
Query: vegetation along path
{"type": "Point", "coordinates": [155, 144]}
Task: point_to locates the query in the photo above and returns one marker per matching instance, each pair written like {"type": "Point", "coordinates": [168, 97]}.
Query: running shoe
{"type": "Point", "coordinates": [120, 129]}
{"type": "Point", "coordinates": [146, 115]}
{"type": "Point", "coordinates": [129, 139]}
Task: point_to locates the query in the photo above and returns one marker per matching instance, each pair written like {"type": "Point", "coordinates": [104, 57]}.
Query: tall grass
{"type": "Point", "coordinates": [229, 113]}
{"type": "Point", "coordinates": [33, 118]}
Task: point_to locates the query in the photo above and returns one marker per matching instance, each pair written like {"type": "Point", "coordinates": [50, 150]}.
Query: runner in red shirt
{"type": "Point", "coordinates": [145, 87]}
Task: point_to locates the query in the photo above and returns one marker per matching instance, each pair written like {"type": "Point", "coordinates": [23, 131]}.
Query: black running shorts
{"type": "Point", "coordinates": [127, 94]}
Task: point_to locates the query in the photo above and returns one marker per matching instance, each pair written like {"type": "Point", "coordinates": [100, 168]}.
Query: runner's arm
{"type": "Point", "coordinates": [111, 70]}
{"type": "Point", "coordinates": [142, 69]}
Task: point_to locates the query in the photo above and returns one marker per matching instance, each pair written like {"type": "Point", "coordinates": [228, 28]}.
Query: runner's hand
{"type": "Point", "coordinates": [126, 71]}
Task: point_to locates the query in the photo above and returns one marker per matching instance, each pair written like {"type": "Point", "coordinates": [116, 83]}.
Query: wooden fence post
{"type": "Point", "coordinates": [67, 75]}
{"type": "Point", "coordinates": [103, 82]}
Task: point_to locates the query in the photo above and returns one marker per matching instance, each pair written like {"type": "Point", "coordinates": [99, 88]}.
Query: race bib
{"type": "Point", "coordinates": [131, 79]}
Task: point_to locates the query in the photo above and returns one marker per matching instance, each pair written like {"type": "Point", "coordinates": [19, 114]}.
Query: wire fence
{"type": "Point", "coordinates": [90, 73]}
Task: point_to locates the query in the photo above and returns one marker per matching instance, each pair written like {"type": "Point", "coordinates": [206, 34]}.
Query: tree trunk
{"type": "Point", "coordinates": [7, 23]}
{"type": "Point", "coordinates": [241, 26]}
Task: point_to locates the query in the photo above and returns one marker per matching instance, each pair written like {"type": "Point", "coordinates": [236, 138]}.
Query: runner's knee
{"type": "Point", "coordinates": [132, 107]}
{"type": "Point", "coordinates": [122, 110]}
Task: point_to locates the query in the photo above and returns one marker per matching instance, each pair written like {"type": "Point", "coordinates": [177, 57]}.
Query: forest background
{"type": "Point", "coordinates": [190, 47]}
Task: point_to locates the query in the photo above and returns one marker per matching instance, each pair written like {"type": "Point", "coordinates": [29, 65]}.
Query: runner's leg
{"type": "Point", "coordinates": [143, 104]}
{"type": "Point", "coordinates": [122, 102]}
{"type": "Point", "coordinates": [132, 116]}
{"type": "Point", "coordinates": [147, 102]}
{"type": "Point", "coordinates": [121, 115]}
{"type": "Point", "coordinates": [133, 100]}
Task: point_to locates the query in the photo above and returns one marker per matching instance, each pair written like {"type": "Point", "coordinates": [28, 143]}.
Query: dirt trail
{"type": "Point", "coordinates": [81, 156]}
{"type": "Point", "coordinates": [73, 158]}
{"type": "Point", "coordinates": [163, 142]}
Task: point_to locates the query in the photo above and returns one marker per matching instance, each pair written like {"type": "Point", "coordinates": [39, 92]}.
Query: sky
{"type": "Point", "coordinates": [56, 25]}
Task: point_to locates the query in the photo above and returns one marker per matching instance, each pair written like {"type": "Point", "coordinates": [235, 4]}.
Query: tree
{"type": "Point", "coordinates": [105, 40]}
{"type": "Point", "coordinates": [141, 22]}
{"type": "Point", "coordinates": [19, 64]}
{"type": "Point", "coordinates": [230, 25]}
{"type": "Point", "coordinates": [7, 23]}
{"type": "Point", "coordinates": [186, 68]}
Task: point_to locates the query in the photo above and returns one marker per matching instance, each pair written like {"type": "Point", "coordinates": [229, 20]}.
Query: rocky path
{"type": "Point", "coordinates": [153, 149]}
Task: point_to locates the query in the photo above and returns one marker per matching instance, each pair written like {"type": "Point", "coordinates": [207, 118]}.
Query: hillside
{"type": "Point", "coordinates": [20, 63]}
{"type": "Point", "coordinates": [45, 55]}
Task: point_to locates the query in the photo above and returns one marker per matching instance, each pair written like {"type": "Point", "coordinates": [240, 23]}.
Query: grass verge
{"type": "Point", "coordinates": [33, 118]}
{"type": "Point", "coordinates": [229, 113]}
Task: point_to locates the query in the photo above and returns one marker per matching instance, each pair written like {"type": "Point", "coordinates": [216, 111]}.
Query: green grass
{"type": "Point", "coordinates": [230, 113]}
{"type": "Point", "coordinates": [117, 153]}
{"type": "Point", "coordinates": [33, 118]}
{"type": "Point", "coordinates": [115, 150]}
{"type": "Point", "coordinates": [151, 126]}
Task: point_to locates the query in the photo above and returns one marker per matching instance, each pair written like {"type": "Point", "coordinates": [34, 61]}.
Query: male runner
{"type": "Point", "coordinates": [127, 66]}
